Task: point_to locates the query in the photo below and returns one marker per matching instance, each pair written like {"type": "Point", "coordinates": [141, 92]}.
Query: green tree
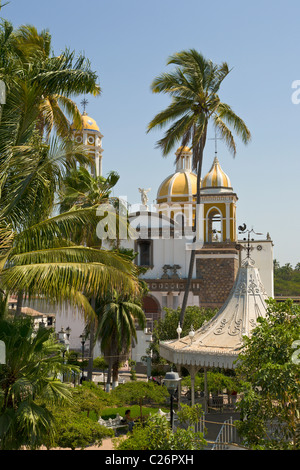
{"type": "Point", "coordinates": [80, 189]}
{"type": "Point", "coordinates": [40, 260]}
{"type": "Point", "coordinates": [117, 329]}
{"type": "Point", "coordinates": [29, 384]}
{"type": "Point", "coordinates": [37, 254]}
{"type": "Point", "coordinates": [157, 435]}
{"type": "Point", "coordinates": [216, 382]}
{"type": "Point", "coordinates": [269, 367]}
{"type": "Point", "coordinates": [90, 398]}
{"type": "Point", "coordinates": [76, 431]}
{"type": "Point", "coordinates": [193, 87]}
{"type": "Point", "coordinates": [137, 392]}
{"type": "Point", "coordinates": [297, 267]}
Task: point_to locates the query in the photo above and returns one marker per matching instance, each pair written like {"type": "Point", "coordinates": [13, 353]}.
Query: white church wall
{"type": "Point", "coordinates": [262, 255]}
{"type": "Point", "coordinates": [65, 315]}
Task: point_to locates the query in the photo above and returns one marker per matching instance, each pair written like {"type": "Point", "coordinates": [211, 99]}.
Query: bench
{"type": "Point", "coordinates": [114, 424]}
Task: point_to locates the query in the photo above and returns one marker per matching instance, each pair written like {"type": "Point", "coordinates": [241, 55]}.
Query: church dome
{"type": "Point", "coordinates": [182, 185]}
{"type": "Point", "coordinates": [88, 124]}
{"type": "Point", "coordinates": [216, 179]}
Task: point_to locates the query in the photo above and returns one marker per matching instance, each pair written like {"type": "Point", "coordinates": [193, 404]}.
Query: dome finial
{"type": "Point", "coordinates": [216, 142]}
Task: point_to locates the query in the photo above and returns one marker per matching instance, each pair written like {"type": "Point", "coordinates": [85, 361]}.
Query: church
{"type": "Point", "coordinates": [163, 237]}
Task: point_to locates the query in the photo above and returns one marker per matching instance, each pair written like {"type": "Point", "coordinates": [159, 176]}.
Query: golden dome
{"type": "Point", "coordinates": [216, 178]}
{"type": "Point", "coordinates": [180, 187]}
{"type": "Point", "coordinates": [88, 124]}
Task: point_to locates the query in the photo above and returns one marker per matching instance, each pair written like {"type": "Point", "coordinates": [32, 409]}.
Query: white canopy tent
{"type": "Point", "coordinates": [217, 343]}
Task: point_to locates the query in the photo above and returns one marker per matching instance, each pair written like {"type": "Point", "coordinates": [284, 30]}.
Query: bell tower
{"type": "Point", "coordinates": [90, 136]}
{"type": "Point", "coordinates": [217, 262]}
{"type": "Point", "coordinates": [176, 196]}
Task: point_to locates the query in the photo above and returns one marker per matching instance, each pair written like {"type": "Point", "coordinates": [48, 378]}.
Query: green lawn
{"type": "Point", "coordinates": [135, 411]}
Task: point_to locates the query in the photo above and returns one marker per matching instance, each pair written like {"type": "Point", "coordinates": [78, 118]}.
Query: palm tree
{"type": "Point", "coordinates": [116, 330]}
{"type": "Point", "coordinates": [29, 384]}
{"type": "Point", "coordinates": [31, 172]}
{"type": "Point", "coordinates": [40, 260]}
{"type": "Point", "coordinates": [39, 84]}
{"type": "Point", "coordinates": [81, 189]}
{"type": "Point", "coordinates": [39, 88]}
{"type": "Point", "coordinates": [37, 253]}
{"type": "Point", "coordinates": [193, 87]}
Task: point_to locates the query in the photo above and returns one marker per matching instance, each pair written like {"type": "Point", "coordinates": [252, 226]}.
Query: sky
{"type": "Point", "coordinates": [128, 43]}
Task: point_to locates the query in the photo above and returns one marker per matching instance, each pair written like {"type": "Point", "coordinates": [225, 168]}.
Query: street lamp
{"type": "Point", "coordinates": [68, 332]}
{"type": "Point", "coordinates": [63, 337]}
{"type": "Point", "coordinates": [82, 352]}
{"type": "Point", "coordinates": [171, 381]}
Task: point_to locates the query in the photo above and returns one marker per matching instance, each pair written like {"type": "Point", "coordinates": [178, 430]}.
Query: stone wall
{"type": "Point", "coordinates": [216, 270]}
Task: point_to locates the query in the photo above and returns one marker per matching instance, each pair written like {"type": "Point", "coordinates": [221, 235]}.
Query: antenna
{"type": "Point", "coordinates": [243, 229]}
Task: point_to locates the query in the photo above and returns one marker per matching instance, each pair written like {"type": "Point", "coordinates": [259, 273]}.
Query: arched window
{"type": "Point", "coordinates": [152, 310]}
{"type": "Point", "coordinates": [214, 226]}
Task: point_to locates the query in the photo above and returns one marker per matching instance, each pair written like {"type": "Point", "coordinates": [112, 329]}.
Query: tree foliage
{"type": "Point", "coordinates": [269, 367]}
{"type": "Point", "coordinates": [193, 86]}
{"type": "Point", "coordinates": [157, 435]}
{"type": "Point", "coordinates": [286, 279]}
{"type": "Point", "coordinates": [139, 392]}
{"type": "Point", "coordinates": [29, 384]}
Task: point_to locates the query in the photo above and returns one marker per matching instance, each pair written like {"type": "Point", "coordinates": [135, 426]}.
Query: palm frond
{"type": "Point", "coordinates": [59, 280]}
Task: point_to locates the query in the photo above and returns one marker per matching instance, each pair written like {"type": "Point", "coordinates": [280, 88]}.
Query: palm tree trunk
{"type": "Point", "coordinates": [115, 374]}
{"type": "Point", "coordinates": [193, 251]}
{"type": "Point", "coordinates": [19, 304]}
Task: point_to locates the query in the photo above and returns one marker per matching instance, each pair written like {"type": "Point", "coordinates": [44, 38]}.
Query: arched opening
{"type": "Point", "coordinates": [152, 310]}
{"type": "Point", "coordinates": [214, 226]}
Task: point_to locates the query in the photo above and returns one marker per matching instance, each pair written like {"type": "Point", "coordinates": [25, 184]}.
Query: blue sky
{"type": "Point", "coordinates": [128, 43]}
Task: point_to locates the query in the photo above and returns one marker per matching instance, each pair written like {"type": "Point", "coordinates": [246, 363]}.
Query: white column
{"type": "Point", "coordinates": [227, 221]}
{"type": "Point", "coordinates": [205, 391]}
{"type": "Point", "coordinates": [200, 222]}
{"type": "Point", "coordinates": [175, 300]}
{"type": "Point", "coordinates": [164, 301]}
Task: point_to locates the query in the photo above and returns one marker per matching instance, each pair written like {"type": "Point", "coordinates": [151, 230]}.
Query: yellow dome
{"type": "Point", "coordinates": [182, 186]}
{"type": "Point", "coordinates": [216, 178]}
{"type": "Point", "coordinates": [88, 124]}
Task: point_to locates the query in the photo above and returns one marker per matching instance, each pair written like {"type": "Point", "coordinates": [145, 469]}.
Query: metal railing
{"type": "Point", "coordinates": [227, 435]}
{"type": "Point", "coordinates": [200, 425]}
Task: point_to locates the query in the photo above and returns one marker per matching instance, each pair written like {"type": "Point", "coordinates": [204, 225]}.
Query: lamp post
{"type": "Point", "coordinates": [68, 332]}
{"type": "Point", "coordinates": [171, 381]}
{"type": "Point", "coordinates": [82, 353]}
{"type": "Point", "coordinates": [63, 337]}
